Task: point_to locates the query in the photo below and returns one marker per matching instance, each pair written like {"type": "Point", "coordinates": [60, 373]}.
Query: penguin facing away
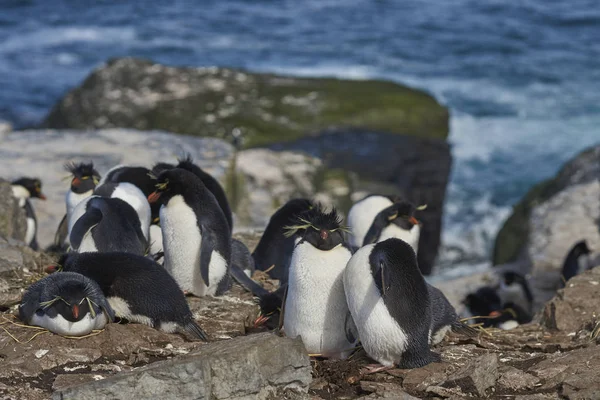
{"type": "Point", "coordinates": [377, 218]}
{"type": "Point", "coordinates": [24, 189]}
{"type": "Point", "coordinates": [571, 265]}
{"type": "Point", "coordinates": [66, 303]}
{"type": "Point", "coordinates": [196, 237]}
{"type": "Point", "coordinates": [133, 196]}
{"type": "Point", "coordinates": [138, 289]}
{"type": "Point", "coordinates": [274, 250]}
{"type": "Point", "coordinates": [315, 306]}
{"type": "Point", "coordinates": [391, 304]}
{"type": "Point", "coordinates": [101, 224]}
{"type": "Point", "coordinates": [209, 181]}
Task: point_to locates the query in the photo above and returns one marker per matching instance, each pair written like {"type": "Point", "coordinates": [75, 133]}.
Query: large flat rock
{"type": "Point", "coordinates": [253, 367]}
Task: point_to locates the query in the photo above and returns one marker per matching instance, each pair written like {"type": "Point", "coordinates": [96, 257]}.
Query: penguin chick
{"type": "Point", "coordinates": [23, 189]}
{"type": "Point", "coordinates": [84, 179]}
{"type": "Point", "coordinates": [377, 218]}
{"type": "Point", "coordinates": [274, 250]}
{"type": "Point", "coordinates": [138, 289]}
{"type": "Point", "coordinates": [196, 237]}
{"type": "Point", "coordinates": [102, 224]}
{"type": "Point", "coordinates": [390, 303]}
{"type": "Point", "coordinates": [315, 306]}
{"type": "Point", "coordinates": [209, 181]}
{"type": "Point", "coordinates": [66, 303]}
{"type": "Point", "coordinates": [571, 265]}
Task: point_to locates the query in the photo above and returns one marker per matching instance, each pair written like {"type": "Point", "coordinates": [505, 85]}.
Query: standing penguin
{"type": "Point", "coordinates": [209, 181]}
{"type": "Point", "coordinates": [397, 314]}
{"type": "Point", "coordinates": [101, 224]}
{"type": "Point", "coordinates": [66, 303]}
{"type": "Point", "coordinates": [196, 237]}
{"type": "Point", "coordinates": [315, 306]}
{"type": "Point", "coordinates": [138, 289]}
{"type": "Point", "coordinates": [572, 265]}
{"type": "Point", "coordinates": [83, 182]}
{"type": "Point", "coordinates": [23, 189]}
{"type": "Point", "coordinates": [377, 218]}
{"type": "Point", "coordinates": [515, 289]}
{"type": "Point", "coordinates": [274, 250]}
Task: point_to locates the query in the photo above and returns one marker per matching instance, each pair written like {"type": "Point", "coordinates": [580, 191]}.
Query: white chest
{"type": "Point", "coordinates": [409, 236]}
{"type": "Point", "coordinates": [21, 194]}
{"type": "Point", "coordinates": [181, 242]}
{"type": "Point", "coordinates": [381, 336]}
{"type": "Point", "coordinates": [73, 199]}
{"type": "Point", "coordinates": [315, 306]}
{"type": "Point", "coordinates": [62, 326]}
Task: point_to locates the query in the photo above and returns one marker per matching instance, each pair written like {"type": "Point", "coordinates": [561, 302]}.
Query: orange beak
{"type": "Point", "coordinates": [495, 314]}
{"type": "Point", "coordinates": [41, 196]}
{"type": "Point", "coordinates": [50, 269]}
{"type": "Point", "coordinates": [75, 309]}
{"type": "Point", "coordinates": [76, 182]}
{"type": "Point", "coordinates": [154, 196]}
{"type": "Point", "coordinates": [413, 221]}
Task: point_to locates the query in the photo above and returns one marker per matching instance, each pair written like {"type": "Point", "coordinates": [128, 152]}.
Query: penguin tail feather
{"type": "Point", "coordinates": [464, 329]}
{"type": "Point", "coordinates": [194, 329]}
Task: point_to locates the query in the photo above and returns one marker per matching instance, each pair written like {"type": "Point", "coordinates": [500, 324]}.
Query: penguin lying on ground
{"type": "Point", "coordinates": [196, 237]}
{"type": "Point", "coordinates": [572, 265]}
{"type": "Point", "coordinates": [101, 224]}
{"type": "Point", "coordinates": [83, 182]}
{"type": "Point", "coordinates": [377, 218]}
{"type": "Point", "coordinates": [514, 289]}
{"type": "Point", "coordinates": [66, 303]}
{"type": "Point", "coordinates": [397, 314]}
{"type": "Point", "coordinates": [23, 189]}
{"type": "Point", "coordinates": [209, 181]}
{"type": "Point", "coordinates": [315, 306]}
{"type": "Point", "coordinates": [137, 288]}
{"type": "Point", "coordinates": [491, 311]}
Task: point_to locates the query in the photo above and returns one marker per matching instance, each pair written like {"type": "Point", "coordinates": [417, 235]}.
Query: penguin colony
{"type": "Point", "coordinates": [341, 286]}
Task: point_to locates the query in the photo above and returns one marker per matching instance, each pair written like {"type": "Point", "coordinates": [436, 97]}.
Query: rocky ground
{"type": "Point", "coordinates": [558, 358]}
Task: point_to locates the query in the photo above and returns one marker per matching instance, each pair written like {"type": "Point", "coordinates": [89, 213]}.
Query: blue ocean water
{"type": "Point", "coordinates": [522, 79]}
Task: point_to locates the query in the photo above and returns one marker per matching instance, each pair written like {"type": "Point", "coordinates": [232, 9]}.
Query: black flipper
{"type": "Point", "coordinates": [247, 283]}
{"type": "Point", "coordinates": [61, 233]}
{"type": "Point", "coordinates": [350, 328]}
{"type": "Point", "coordinates": [87, 221]}
{"type": "Point", "coordinates": [194, 330]}
{"type": "Point", "coordinates": [282, 313]}
{"type": "Point", "coordinates": [381, 276]}
{"type": "Point", "coordinates": [207, 247]}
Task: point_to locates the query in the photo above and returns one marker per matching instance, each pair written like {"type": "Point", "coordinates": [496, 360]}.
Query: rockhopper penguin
{"type": "Point", "coordinates": [66, 303]}
{"type": "Point", "coordinates": [196, 236]}
{"type": "Point", "coordinates": [24, 189]}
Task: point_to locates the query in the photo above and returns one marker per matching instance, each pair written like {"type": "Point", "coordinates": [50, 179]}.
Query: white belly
{"type": "Point", "coordinates": [181, 242]}
{"type": "Point", "coordinates": [315, 307]}
{"type": "Point", "coordinates": [381, 336]}
{"type": "Point", "coordinates": [73, 199]}
{"type": "Point", "coordinates": [155, 240]}
{"type": "Point", "coordinates": [63, 327]}
{"type": "Point", "coordinates": [30, 234]}
{"type": "Point", "coordinates": [361, 216]}
{"type": "Point", "coordinates": [409, 236]}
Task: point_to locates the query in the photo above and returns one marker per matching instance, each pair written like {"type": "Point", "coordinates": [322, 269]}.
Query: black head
{"type": "Point", "coordinates": [160, 167]}
{"type": "Point", "coordinates": [394, 253]}
{"type": "Point", "coordinates": [173, 182]}
{"type": "Point", "coordinates": [84, 177]}
{"type": "Point", "coordinates": [33, 186]}
{"type": "Point", "coordinates": [483, 302]}
{"type": "Point", "coordinates": [187, 163]}
{"type": "Point", "coordinates": [580, 248]}
{"type": "Point", "coordinates": [72, 296]}
{"type": "Point", "coordinates": [402, 213]}
{"type": "Point", "coordinates": [322, 229]}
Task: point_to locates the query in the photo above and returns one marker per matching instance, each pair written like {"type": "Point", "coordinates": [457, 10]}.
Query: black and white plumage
{"type": "Point", "coordinates": [315, 305]}
{"type": "Point", "coordinates": [207, 179]}
{"type": "Point", "coordinates": [23, 190]}
{"type": "Point", "coordinates": [138, 289]}
{"type": "Point", "coordinates": [101, 224]}
{"type": "Point", "coordinates": [377, 218]}
{"type": "Point", "coordinates": [66, 303]}
{"type": "Point", "coordinates": [196, 237]}
{"type": "Point", "coordinates": [394, 308]}
{"type": "Point", "coordinates": [487, 308]}
{"type": "Point", "coordinates": [84, 179]}
{"type": "Point", "coordinates": [514, 288]}
{"type": "Point", "coordinates": [573, 264]}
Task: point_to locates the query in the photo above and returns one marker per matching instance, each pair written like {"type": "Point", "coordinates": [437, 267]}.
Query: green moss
{"type": "Point", "coordinates": [269, 109]}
